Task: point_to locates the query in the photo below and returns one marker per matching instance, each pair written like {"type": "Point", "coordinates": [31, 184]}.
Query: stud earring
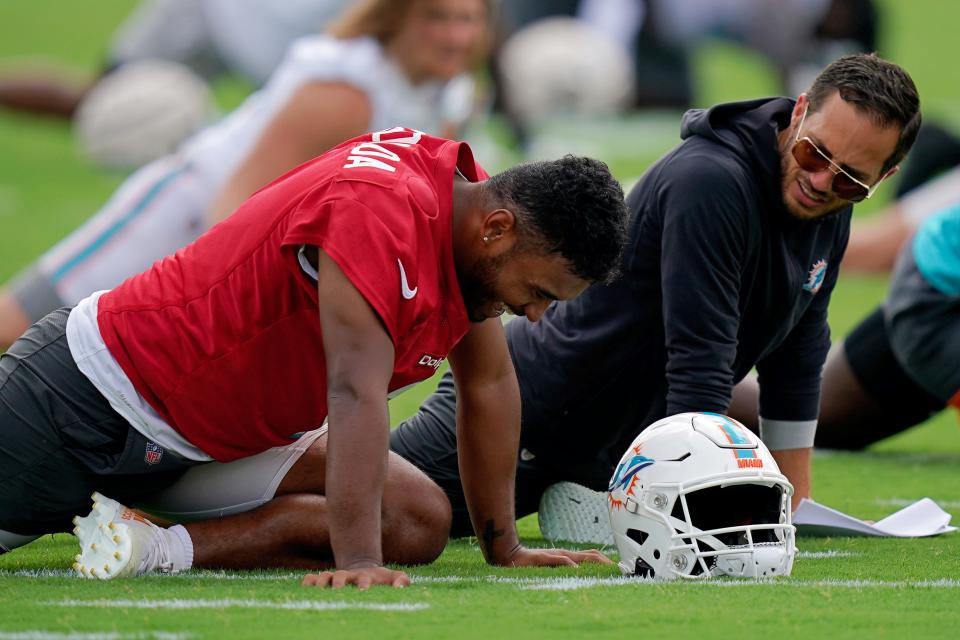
{"type": "Point", "coordinates": [486, 239]}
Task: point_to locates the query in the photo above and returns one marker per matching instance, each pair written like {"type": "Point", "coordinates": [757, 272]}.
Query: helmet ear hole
{"type": "Point", "coordinates": [637, 536]}
{"type": "Point", "coordinates": [656, 554]}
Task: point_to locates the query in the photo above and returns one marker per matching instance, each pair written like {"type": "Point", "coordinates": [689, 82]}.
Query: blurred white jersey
{"type": "Point", "coordinates": [162, 207]}
{"type": "Point", "coordinates": [252, 36]}
{"type": "Point", "coordinates": [361, 62]}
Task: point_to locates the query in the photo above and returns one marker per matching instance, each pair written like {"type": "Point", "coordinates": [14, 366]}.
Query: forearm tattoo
{"type": "Point", "coordinates": [488, 536]}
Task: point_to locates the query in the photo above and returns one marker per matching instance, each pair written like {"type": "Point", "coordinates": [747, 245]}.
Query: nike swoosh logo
{"type": "Point", "coordinates": [405, 289]}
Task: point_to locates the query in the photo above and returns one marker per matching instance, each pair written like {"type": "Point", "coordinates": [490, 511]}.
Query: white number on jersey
{"type": "Point", "coordinates": [375, 155]}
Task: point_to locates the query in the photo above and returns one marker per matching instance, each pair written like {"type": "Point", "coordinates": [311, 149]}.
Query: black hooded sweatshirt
{"type": "Point", "coordinates": [717, 278]}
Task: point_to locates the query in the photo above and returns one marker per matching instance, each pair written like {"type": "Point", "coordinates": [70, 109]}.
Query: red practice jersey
{"type": "Point", "coordinates": [223, 338]}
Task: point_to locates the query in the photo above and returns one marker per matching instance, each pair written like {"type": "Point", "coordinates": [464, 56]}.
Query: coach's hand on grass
{"type": "Point", "coordinates": [524, 557]}
{"type": "Point", "coordinates": [363, 578]}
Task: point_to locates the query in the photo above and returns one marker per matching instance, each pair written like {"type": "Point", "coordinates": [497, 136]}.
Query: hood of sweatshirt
{"type": "Point", "coordinates": [748, 128]}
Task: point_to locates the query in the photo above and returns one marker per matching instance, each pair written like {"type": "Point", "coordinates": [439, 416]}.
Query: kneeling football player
{"type": "Point", "coordinates": [349, 277]}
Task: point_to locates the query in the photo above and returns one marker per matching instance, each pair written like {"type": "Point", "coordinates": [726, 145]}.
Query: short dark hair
{"type": "Point", "coordinates": [877, 87]}
{"type": "Point", "coordinates": [572, 206]}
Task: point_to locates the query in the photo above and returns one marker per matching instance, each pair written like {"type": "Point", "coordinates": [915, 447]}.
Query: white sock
{"type": "Point", "coordinates": [181, 548]}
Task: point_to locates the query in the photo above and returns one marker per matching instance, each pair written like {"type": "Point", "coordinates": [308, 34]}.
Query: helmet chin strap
{"type": "Point", "coordinates": [759, 562]}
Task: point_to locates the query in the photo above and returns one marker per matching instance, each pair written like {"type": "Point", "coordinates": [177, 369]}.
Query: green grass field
{"type": "Point", "coordinates": [841, 587]}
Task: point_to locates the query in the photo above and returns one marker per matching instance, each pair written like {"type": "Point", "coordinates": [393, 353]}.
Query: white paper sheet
{"type": "Point", "coordinates": [922, 518]}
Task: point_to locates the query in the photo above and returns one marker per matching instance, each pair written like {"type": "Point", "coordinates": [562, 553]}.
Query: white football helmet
{"type": "Point", "coordinates": [698, 495]}
{"type": "Point", "coordinates": [563, 66]}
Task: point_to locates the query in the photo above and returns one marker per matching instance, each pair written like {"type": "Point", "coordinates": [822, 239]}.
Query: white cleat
{"type": "Point", "coordinates": [116, 541]}
{"type": "Point", "coordinates": [570, 512]}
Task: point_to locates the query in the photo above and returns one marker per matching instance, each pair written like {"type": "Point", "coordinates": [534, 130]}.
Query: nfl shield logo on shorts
{"type": "Point", "coordinates": [153, 453]}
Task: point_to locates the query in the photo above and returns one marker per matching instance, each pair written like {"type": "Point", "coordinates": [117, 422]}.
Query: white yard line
{"type": "Point", "coordinates": [819, 555]}
{"type": "Point", "coordinates": [191, 575]}
{"type": "Point", "coordinates": [37, 573]}
{"type": "Point", "coordinates": [846, 584]}
{"type": "Point", "coordinates": [296, 605]}
{"type": "Point", "coordinates": [298, 575]}
{"type": "Point", "coordinates": [462, 579]}
{"type": "Point", "coordinates": [519, 582]}
{"type": "Point", "coordinates": [570, 584]}
{"type": "Point", "coordinates": [92, 635]}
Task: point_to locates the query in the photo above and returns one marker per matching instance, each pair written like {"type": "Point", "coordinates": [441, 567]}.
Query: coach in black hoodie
{"type": "Point", "coordinates": [735, 244]}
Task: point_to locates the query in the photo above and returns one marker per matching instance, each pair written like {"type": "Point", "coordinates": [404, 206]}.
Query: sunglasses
{"type": "Point", "coordinates": [812, 159]}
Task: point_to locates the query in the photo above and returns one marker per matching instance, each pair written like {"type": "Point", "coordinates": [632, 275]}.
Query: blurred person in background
{"type": "Point", "coordinates": [211, 37]}
{"type": "Point", "coordinates": [382, 63]}
{"type": "Point", "coordinates": [901, 365]}
{"type": "Point", "coordinates": [797, 37]}
{"type": "Point", "coordinates": [653, 41]}
{"type": "Point", "coordinates": [929, 182]}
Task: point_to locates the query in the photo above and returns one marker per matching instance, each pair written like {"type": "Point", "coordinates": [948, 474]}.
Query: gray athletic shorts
{"type": "Point", "coordinates": [924, 328]}
{"type": "Point", "coordinates": [60, 439]}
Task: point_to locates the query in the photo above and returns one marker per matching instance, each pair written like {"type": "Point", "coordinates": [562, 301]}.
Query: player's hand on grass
{"type": "Point", "coordinates": [525, 557]}
{"type": "Point", "coordinates": [363, 578]}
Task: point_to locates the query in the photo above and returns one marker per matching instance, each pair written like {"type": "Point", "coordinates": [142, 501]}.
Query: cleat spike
{"type": "Point", "coordinates": [106, 568]}
{"type": "Point", "coordinates": [111, 526]}
{"type": "Point", "coordinates": [93, 571]}
{"type": "Point", "coordinates": [93, 546]}
{"type": "Point", "coordinates": [76, 567]}
{"type": "Point", "coordinates": [116, 554]}
{"type": "Point", "coordinates": [76, 520]}
{"type": "Point", "coordinates": [76, 531]}
{"type": "Point", "coordinates": [77, 557]}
